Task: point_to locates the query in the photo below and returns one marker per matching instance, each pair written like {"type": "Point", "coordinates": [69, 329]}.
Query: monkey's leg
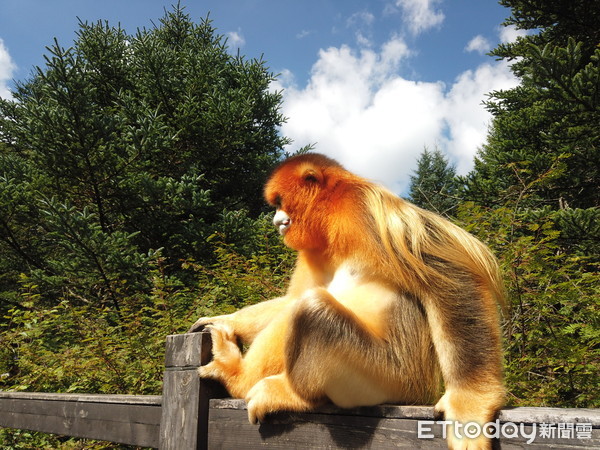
{"type": "Point", "coordinates": [275, 393]}
{"type": "Point", "coordinates": [329, 354]}
{"type": "Point", "coordinates": [227, 356]}
{"type": "Point", "coordinates": [238, 372]}
{"type": "Point", "coordinates": [466, 335]}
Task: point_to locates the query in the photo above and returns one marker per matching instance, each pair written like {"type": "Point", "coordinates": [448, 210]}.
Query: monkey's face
{"type": "Point", "coordinates": [295, 216]}
{"type": "Point", "coordinates": [298, 189]}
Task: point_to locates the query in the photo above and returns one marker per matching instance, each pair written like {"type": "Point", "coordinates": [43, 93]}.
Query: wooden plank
{"type": "Point", "coordinates": [551, 415]}
{"type": "Point", "coordinates": [122, 399]}
{"type": "Point", "coordinates": [129, 412]}
{"type": "Point", "coordinates": [229, 428]}
{"type": "Point", "coordinates": [387, 426]}
{"type": "Point", "coordinates": [133, 420]}
{"type": "Point", "coordinates": [509, 414]}
{"type": "Point", "coordinates": [185, 396]}
{"type": "Point", "coordinates": [189, 350]}
{"type": "Point", "coordinates": [385, 410]}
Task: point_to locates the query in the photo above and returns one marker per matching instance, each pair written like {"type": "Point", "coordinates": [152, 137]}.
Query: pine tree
{"type": "Point", "coordinates": [433, 185]}
{"type": "Point", "coordinates": [125, 144]}
{"type": "Point", "coordinates": [545, 132]}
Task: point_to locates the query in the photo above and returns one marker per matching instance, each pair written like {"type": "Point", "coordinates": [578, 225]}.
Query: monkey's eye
{"type": "Point", "coordinates": [277, 202]}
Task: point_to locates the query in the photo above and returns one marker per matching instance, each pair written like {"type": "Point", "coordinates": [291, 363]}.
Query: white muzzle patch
{"type": "Point", "coordinates": [281, 221]}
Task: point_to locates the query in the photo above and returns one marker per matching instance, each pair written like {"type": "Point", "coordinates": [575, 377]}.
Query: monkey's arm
{"type": "Point", "coordinates": [249, 321]}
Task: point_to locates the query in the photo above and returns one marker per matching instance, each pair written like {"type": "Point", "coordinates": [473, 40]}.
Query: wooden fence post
{"type": "Point", "coordinates": [185, 396]}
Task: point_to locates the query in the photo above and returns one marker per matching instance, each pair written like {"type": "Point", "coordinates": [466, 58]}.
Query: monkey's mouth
{"type": "Point", "coordinates": [283, 227]}
{"type": "Point", "coordinates": [282, 222]}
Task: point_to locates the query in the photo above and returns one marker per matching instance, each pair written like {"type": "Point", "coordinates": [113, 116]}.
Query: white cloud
{"type": "Point", "coordinates": [362, 23]}
{"type": "Point", "coordinates": [510, 34]}
{"type": "Point", "coordinates": [479, 44]}
{"type": "Point", "coordinates": [7, 67]}
{"type": "Point", "coordinates": [304, 33]}
{"type": "Point", "coordinates": [358, 110]}
{"type": "Point", "coordinates": [468, 120]}
{"type": "Point", "coordinates": [360, 18]}
{"type": "Point", "coordinates": [285, 79]}
{"type": "Point", "coordinates": [235, 40]}
{"type": "Point", "coordinates": [420, 15]}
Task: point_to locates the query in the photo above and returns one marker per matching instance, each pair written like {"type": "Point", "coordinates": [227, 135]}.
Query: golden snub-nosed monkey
{"type": "Point", "coordinates": [386, 301]}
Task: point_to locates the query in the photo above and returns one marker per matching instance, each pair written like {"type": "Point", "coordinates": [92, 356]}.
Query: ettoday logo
{"type": "Point", "coordinates": [507, 430]}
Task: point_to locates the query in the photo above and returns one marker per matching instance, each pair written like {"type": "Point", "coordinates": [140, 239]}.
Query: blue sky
{"type": "Point", "coordinates": [371, 83]}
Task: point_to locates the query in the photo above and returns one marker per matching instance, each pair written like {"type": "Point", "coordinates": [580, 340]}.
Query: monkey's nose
{"type": "Point", "coordinates": [282, 221]}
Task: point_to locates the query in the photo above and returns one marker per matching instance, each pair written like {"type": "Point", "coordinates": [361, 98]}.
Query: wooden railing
{"type": "Point", "coordinates": [194, 414]}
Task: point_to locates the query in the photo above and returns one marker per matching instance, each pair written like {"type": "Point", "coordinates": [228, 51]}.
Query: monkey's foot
{"type": "Point", "coordinates": [227, 357]}
{"type": "Point", "coordinates": [457, 440]}
{"type": "Point", "coordinates": [273, 394]}
{"type": "Point", "coordinates": [467, 413]}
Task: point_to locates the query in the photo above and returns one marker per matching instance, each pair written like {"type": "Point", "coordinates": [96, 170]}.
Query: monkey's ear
{"type": "Point", "coordinates": [312, 176]}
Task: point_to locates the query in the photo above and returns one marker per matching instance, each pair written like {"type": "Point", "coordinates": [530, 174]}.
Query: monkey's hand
{"type": "Point", "coordinates": [203, 323]}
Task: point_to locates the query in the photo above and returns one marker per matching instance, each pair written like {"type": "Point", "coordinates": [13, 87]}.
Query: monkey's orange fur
{"type": "Point", "coordinates": [386, 301]}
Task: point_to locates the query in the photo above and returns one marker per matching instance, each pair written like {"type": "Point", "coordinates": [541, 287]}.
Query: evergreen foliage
{"type": "Point", "coordinates": [549, 123]}
{"type": "Point", "coordinates": [122, 146]}
{"type": "Point", "coordinates": [434, 185]}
